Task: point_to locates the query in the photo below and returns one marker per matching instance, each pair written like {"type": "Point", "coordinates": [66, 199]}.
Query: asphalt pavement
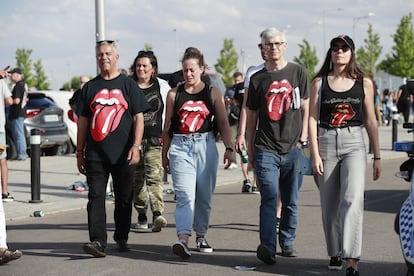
{"type": "Point", "coordinates": [52, 244]}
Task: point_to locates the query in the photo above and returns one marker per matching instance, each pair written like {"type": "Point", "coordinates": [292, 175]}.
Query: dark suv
{"type": "Point", "coordinates": [45, 115]}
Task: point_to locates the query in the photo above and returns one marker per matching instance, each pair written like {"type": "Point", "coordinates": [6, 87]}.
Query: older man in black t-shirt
{"type": "Point", "coordinates": [110, 130]}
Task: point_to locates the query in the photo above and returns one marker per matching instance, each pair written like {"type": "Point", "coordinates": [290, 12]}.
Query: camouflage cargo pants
{"type": "Point", "coordinates": [148, 180]}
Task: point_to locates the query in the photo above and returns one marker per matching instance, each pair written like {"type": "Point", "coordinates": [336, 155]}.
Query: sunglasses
{"type": "Point", "coordinates": [105, 42]}
{"type": "Point", "coordinates": [344, 48]}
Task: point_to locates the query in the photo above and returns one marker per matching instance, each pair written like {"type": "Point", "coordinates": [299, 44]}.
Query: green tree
{"type": "Point", "coordinates": [227, 62]}
{"type": "Point", "coordinates": [367, 56]}
{"type": "Point", "coordinates": [40, 76]}
{"type": "Point", "coordinates": [24, 62]}
{"type": "Point", "coordinates": [400, 61]}
{"type": "Point", "coordinates": [307, 58]}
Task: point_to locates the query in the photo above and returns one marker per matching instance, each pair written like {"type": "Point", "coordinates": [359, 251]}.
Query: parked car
{"type": "Point", "coordinates": [45, 115]}
{"type": "Point", "coordinates": [61, 98]}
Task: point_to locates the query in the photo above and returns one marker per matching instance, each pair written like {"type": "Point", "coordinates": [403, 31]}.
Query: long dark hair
{"type": "Point", "coordinates": [153, 61]}
{"type": "Point", "coordinates": [352, 69]}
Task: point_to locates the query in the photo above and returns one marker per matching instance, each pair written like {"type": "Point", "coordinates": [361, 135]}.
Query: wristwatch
{"type": "Point", "coordinates": [303, 143]}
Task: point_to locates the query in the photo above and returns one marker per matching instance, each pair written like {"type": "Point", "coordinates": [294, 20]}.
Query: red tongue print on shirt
{"type": "Point", "coordinates": [108, 108]}
{"type": "Point", "coordinates": [279, 97]}
{"type": "Point", "coordinates": [341, 114]}
{"type": "Point", "coordinates": [192, 115]}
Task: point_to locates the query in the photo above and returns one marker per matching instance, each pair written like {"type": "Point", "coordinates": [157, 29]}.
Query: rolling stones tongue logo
{"type": "Point", "coordinates": [108, 108]}
{"type": "Point", "coordinates": [279, 97]}
{"type": "Point", "coordinates": [192, 115]}
{"type": "Point", "coordinates": [341, 114]}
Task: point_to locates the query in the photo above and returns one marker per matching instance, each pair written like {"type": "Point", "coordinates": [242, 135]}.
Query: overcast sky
{"type": "Point", "coordinates": [62, 33]}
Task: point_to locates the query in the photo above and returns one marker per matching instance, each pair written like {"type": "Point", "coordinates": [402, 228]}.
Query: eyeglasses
{"type": "Point", "coordinates": [276, 44]}
{"type": "Point", "coordinates": [105, 42]}
{"type": "Point", "coordinates": [345, 48]}
{"type": "Point", "coordinates": [260, 45]}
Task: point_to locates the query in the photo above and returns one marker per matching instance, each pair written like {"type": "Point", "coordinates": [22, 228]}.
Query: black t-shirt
{"type": "Point", "coordinates": [277, 96]}
{"type": "Point", "coordinates": [18, 92]}
{"type": "Point", "coordinates": [153, 117]}
{"type": "Point", "coordinates": [74, 102]}
{"type": "Point", "coordinates": [110, 106]}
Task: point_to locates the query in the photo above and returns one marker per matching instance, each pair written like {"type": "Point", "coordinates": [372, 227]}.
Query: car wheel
{"type": "Point", "coordinates": [11, 148]}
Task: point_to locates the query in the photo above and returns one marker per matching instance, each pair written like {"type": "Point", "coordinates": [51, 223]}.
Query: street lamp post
{"type": "Point", "coordinates": [324, 25]}
{"type": "Point", "coordinates": [358, 18]}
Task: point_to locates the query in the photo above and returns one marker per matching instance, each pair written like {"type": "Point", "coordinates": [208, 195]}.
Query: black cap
{"type": "Point", "coordinates": [346, 39]}
{"type": "Point", "coordinates": [16, 70]}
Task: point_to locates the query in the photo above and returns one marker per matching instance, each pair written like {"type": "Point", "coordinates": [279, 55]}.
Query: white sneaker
{"type": "Point", "coordinates": [203, 246]}
{"type": "Point", "coordinates": [232, 166]}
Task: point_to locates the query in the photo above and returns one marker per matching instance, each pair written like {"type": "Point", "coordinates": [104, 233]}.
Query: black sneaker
{"type": "Point", "coordinates": [246, 186]}
{"type": "Point", "coordinates": [288, 251]}
{"type": "Point", "coordinates": [335, 263]}
{"type": "Point", "coordinates": [350, 271]}
{"type": "Point", "coordinates": [203, 246]}
{"type": "Point", "coordinates": [95, 249]}
{"type": "Point", "coordinates": [265, 255]}
{"type": "Point", "coordinates": [180, 248]}
{"type": "Point", "coordinates": [122, 246]}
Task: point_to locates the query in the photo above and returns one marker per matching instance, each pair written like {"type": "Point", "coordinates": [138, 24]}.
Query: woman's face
{"type": "Point", "coordinates": [192, 71]}
{"type": "Point", "coordinates": [144, 69]}
{"type": "Point", "coordinates": [340, 53]}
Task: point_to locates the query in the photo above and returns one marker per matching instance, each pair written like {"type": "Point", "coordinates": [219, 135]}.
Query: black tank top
{"type": "Point", "coordinates": [192, 112]}
{"type": "Point", "coordinates": [341, 109]}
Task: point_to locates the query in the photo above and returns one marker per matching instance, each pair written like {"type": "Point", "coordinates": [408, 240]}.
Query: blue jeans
{"type": "Point", "coordinates": [193, 163]}
{"type": "Point", "coordinates": [269, 166]}
{"type": "Point", "coordinates": [17, 131]}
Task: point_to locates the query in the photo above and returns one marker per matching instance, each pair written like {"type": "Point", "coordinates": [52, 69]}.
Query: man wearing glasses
{"type": "Point", "coordinates": [110, 130]}
{"type": "Point", "coordinates": [277, 122]}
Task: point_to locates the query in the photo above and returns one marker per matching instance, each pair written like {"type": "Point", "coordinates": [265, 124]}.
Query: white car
{"type": "Point", "coordinates": [61, 98]}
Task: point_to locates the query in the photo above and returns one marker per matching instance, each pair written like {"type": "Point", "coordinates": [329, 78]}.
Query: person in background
{"type": "Point", "coordinates": [342, 106]}
{"type": "Point", "coordinates": [148, 179]}
{"type": "Point", "coordinates": [6, 255]}
{"type": "Point", "coordinates": [233, 110]}
{"type": "Point", "coordinates": [404, 102]}
{"type": "Point", "coordinates": [190, 153]}
{"type": "Point", "coordinates": [109, 139]}
{"type": "Point", "coordinates": [74, 102]}
{"type": "Point", "coordinates": [17, 113]}
{"type": "Point", "coordinates": [277, 127]}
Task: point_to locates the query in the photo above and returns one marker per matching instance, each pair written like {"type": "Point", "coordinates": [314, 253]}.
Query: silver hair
{"type": "Point", "coordinates": [271, 32]}
{"type": "Point", "coordinates": [108, 42]}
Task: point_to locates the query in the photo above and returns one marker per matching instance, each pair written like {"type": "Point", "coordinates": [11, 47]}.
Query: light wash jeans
{"type": "Point", "coordinates": [17, 129]}
{"type": "Point", "coordinates": [269, 166]}
{"type": "Point", "coordinates": [342, 189]}
{"type": "Point", "coordinates": [193, 163]}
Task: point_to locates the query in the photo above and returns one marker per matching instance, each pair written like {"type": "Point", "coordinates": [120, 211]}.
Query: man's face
{"type": "Point", "coordinates": [274, 48]}
{"type": "Point", "coordinates": [15, 77]}
{"type": "Point", "coordinates": [106, 58]}
{"type": "Point", "coordinates": [238, 79]}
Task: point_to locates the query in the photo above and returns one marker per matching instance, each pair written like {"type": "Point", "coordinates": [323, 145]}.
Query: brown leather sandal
{"type": "Point", "coordinates": [7, 256]}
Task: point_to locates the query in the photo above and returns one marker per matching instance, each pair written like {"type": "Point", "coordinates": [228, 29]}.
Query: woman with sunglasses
{"type": "Point", "coordinates": [148, 178]}
{"type": "Point", "coordinates": [341, 104]}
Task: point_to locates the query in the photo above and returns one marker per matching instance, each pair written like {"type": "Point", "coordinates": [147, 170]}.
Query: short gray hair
{"type": "Point", "coordinates": [271, 32]}
{"type": "Point", "coordinates": [113, 43]}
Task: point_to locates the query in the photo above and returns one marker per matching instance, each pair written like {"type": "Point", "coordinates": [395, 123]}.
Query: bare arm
{"type": "Point", "coordinates": [166, 139]}
{"type": "Point", "coordinates": [371, 126]}
{"type": "Point", "coordinates": [81, 143]}
{"type": "Point", "coordinates": [317, 163]}
{"type": "Point", "coordinates": [240, 140]}
{"type": "Point", "coordinates": [252, 116]}
{"type": "Point", "coordinates": [134, 152]}
{"type": "Point", "coordinates": [223, 123]}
